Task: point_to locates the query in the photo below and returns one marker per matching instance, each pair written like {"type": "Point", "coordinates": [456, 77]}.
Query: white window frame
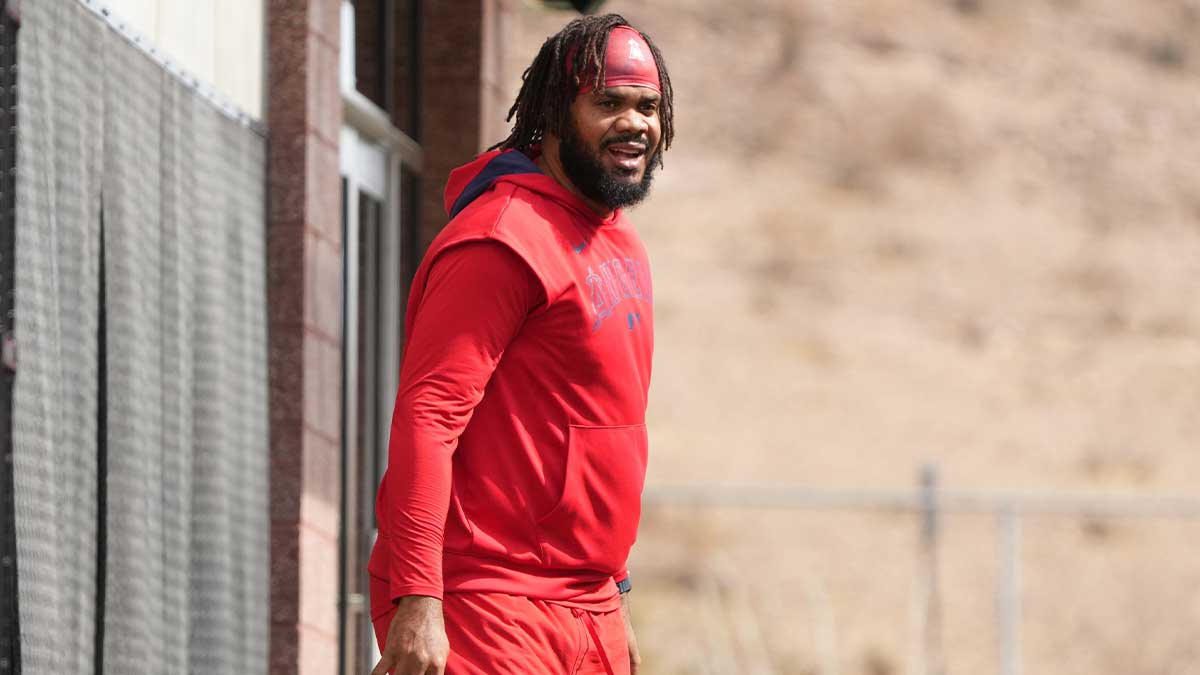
{"type": "Point", "coordinates": [371, 153]}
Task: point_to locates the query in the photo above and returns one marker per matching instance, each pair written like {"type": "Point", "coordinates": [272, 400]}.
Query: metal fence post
{"type": "Point", "coordinates": [1008, 591]}
{"type": "Point", "coordinates": [931, 611]}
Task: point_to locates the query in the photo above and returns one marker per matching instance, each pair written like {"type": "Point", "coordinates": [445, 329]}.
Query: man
{"type": "Point", "coordinates": [518, 445]}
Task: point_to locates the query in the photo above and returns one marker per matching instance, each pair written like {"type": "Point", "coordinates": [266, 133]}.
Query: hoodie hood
{"type": "Point", "coordinates": [472, 180]}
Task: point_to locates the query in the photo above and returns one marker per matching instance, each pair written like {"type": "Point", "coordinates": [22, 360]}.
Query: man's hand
{"type": "Point", "coordinates": [635, 658]}
{"type": "Point", "coordinates": [416, 640]}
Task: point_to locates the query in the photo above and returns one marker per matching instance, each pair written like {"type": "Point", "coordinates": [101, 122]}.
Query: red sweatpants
{"type": "Point", "coordinates": [497, 634]}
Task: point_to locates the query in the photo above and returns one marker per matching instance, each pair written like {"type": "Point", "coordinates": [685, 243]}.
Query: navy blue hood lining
{"type": "Point", "coordinates": [504, 164]}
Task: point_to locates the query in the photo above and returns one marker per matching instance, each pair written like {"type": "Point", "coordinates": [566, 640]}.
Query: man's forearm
{"type": "Point", "coordinates": [418, 487]}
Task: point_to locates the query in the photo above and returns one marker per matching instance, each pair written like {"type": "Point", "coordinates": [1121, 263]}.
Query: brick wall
{"type": "Point", "coordinates": [305, 249]}
{"type": "Point", "coordinates": [450, 88]}
{"type": "Point", "coordinates": [463, 98]}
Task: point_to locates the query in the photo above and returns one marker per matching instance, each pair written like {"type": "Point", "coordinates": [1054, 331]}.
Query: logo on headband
{"type": "Point", "coordinates": [635, 51]}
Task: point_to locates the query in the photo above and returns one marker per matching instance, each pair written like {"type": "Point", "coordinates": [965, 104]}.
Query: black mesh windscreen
{"type": "Point", "coordinates": [10, 643]}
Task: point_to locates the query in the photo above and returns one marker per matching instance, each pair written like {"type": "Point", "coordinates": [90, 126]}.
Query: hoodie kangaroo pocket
{"type": "Point", "coordinates": [595, 522]}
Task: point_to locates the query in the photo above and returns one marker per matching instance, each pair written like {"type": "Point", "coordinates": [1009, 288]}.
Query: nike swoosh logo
{"type": "Point", "coordinates": [580, 248]}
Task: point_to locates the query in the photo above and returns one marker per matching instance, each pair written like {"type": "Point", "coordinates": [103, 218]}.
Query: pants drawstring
{"type": "Point", "coordinates": [590, 622]}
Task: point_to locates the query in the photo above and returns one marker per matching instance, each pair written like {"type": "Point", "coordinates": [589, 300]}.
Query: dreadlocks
{"type": "Point", "coordinates": [548, 86]}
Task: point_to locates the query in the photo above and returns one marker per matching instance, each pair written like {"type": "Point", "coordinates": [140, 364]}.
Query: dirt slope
{"type": "Point", "coordinates": [896, 233]}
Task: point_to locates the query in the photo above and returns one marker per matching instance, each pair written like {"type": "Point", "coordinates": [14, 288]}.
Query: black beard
{"type": "Point", "coordinates": [586, 171]}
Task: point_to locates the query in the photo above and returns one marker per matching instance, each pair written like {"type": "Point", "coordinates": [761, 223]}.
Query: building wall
{"type": "Point", "coordinates": [218, 41]}
{"type": "Point", "coordinates": [495, 99]}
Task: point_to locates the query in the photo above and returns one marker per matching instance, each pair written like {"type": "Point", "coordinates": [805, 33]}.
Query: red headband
{"type": "Point", "coordinates": [628, 62]}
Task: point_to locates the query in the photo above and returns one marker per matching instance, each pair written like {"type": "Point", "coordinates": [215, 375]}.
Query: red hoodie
{"type": "Point", "coordinates": [518, 441]}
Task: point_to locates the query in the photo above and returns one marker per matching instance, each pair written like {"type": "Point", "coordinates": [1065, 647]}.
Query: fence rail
{"type": "Point", "coordinates": [954, 501]}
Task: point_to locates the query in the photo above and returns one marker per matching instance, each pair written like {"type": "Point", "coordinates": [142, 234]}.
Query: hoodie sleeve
{"type": "Point", "coordinates": [474, 302]}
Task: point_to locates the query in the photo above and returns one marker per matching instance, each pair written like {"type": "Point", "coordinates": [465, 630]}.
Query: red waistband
{"type": "Point", "coordinates": [591, 591]}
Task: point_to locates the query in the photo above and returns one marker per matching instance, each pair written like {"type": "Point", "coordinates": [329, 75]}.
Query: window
{"type": "Point", "coordinates": [387, 59]}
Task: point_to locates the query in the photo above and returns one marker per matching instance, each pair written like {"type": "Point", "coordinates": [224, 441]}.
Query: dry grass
{"type": "Point", "coordinates": [964, 232]}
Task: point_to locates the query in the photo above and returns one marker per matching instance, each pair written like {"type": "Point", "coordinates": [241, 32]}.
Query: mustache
{"type": "Point", "coordinates": [640, 139]}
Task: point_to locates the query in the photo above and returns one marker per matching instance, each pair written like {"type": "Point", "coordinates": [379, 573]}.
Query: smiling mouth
{"type": "Point", "coordinates": [627, 156]}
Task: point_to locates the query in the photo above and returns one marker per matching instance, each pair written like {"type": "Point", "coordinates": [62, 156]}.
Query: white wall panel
{"type": "Point", "coordinates": [220, 42]}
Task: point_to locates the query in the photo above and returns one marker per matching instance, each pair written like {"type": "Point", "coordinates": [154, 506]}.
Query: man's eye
{"type": "Point", "coordinates": [608, 105]}
{"type": "Point", "coordinates": [649, 107]}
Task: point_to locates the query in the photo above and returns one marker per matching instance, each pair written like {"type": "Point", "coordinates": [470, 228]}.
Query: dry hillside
{"type": "Point", "coordinates": [901, 232]}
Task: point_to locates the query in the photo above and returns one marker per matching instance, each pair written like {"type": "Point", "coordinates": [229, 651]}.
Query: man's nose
{"type": "Point", "coordinates": [633, 121]}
